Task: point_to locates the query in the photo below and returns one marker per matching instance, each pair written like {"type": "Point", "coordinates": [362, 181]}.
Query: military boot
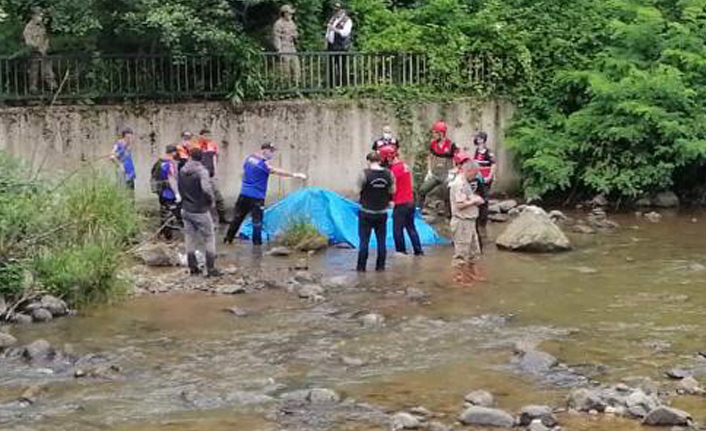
{"type": "Point", "coordinates": [211, 270]}
{"type": "Point", "coordinates": [193, 264]}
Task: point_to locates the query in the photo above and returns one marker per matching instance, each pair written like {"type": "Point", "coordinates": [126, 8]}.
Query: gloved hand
{"type": "Point", "coordinates": [299, 175]}
{"type": "Point", "coordinates": [428, 176]}
{"type": "Point", "coordinates": [177, 199]}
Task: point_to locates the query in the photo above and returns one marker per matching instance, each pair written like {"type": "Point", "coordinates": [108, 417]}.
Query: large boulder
{"type": "Point", "coordinates": [6, 340]}
{"type": "Point", "coordinates": [158, 255]}
{"type": "Point", "coordinates": [666, 416]}
{"type": "Point", "coordinates": [481, 399]}
{"type": "Point", "coordinates": [54, 305]}
{"type": "Point", "coordinates": [486, 417]}
{"type": "Point", "coordinates": [666, 200]}
{"type": "Point", "coordinates": [542, 413]}
{"type": "Point", "coordinates": [533, 231]}
{"type": "Point", "coordinates": [38, 351]}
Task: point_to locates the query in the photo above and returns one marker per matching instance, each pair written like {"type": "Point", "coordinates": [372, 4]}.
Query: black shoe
{"type": "Point", "coordinates": [420, 253]}
{"type": "Point", "coordinates": [379, 268]}
{"type": "Point", "coordinates": [213, 272]}
{"type": "Point", "coordinates": [359, 269]}
{"type": "Point", "coordinates": [193, 264]}
{"type": "Point", "coordinates": [228, 241]}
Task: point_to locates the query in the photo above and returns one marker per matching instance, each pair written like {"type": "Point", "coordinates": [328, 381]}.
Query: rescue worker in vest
{"type": "Point", "coordinates": [209, 148]}
{"type": "Point", "coordinates": [403, 200]}
{"type": "Point", "coordinates": [122, 157]}
{"type": "Point", "coordinates": [488, 165]}
{"type": "Point", "coordinates": [184, 148]}
{"type": "Point", "coordinates": [377, 187]}
{"type": "Point", "coordinates": [197, 199]}
{"type": "Point", "coordinates": [386, 139]}
{"type": "Point", "coordinates": [464, 209]}
{"type": "Point", "coordinates": [439, 163]}
{"type": "Point", "coordinates": [169, 198]}
{"type": "Point", "coordinates": [253, 191]}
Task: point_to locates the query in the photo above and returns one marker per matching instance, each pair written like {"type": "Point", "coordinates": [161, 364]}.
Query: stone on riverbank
{"type": "Point", "coordinates": [533, 231]}
{"type": "Point", "coordinates": [39, 350]}
{"type": "Point", "coordinates": [483, 416]}
{"type": "Point", "coordinates": [310, 291]}
{"type": "Point", "coordinates": [54, 305]}
{"type": "Point", "coordinates": [405, 421]}
{"type": "Point", "coordinates": [320, 396]}
{"type": "Point", "coordinates": [653, 217]}
{"type": "Point", "coordinates": [690, 386]}
{"type": "Point", "coordinates": [667, 416]}
{"type": "Point", "coordinates": [499, 218]}
{"type": "Point", "coordinates": [544, 414]}
{"type": "Point", "coordinates": [157, 255]}
{"type": "Point", "coordinates": [371, 320]}
{"type": "Point", "coordinates": [665, 200]}
{"type": "Point", "coordinates": [41, 315]}
{"type": "Point", "coordinates": [536, 362]}
{"type": "Point", "coordinates": [6, 340]}
{"type": "Point", "coordinates": [480, 398]}
{"type": "Point", "coordinates": [280, 252]}
{"type": "Point", "coordinates": [507, 205]}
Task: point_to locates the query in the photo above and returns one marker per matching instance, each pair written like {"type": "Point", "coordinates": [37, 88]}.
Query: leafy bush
{"type": "Point", "coordinates": [66, 237]}
{"type": "Point", "coordinates": [298, 231]}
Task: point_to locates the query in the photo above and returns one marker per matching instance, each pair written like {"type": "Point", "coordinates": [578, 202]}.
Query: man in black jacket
{"type": "Point", "coordinates": [377, 186]}
{"type": "Point", "coordinates": [197, 199]}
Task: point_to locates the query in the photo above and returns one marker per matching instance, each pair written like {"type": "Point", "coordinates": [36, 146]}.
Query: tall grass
{"type": "Point", "coordinates": [62, 236]}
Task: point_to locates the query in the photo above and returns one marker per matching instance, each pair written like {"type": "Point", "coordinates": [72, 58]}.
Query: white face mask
{"type": "Point", "coordinates": [387, 136]}
{"type": "Point", "coordinates": [268, 155]}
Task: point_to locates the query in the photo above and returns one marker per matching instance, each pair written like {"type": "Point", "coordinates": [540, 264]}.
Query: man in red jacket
{"type": "Point", "coordinates": [403, 200]}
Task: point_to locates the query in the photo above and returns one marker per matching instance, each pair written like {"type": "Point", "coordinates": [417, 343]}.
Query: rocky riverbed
{"type": "Point", "coordinates": [607, 336]}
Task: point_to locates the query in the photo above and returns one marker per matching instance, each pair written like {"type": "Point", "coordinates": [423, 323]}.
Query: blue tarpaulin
{"type": "Point", "coordinates": [333, 215]}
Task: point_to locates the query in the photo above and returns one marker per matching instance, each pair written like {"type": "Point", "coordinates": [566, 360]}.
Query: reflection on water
{"type": "Point", "coordinates": [627, 304]}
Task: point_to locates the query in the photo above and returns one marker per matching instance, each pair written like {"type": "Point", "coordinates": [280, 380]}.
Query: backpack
{"type": "Point", "coordinates": [157, 183]}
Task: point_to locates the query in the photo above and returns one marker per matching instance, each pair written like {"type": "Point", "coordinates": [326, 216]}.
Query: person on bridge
{"type": "Point", "coordinates": [167, 189]}
{"type": "Point", "coordinates": [338, 40]}
{"type": "Point", "coordinates": [285, 37]}
{"type": "Point", "coordinates": [377, 187]}
{"type": "Point", "coordinates": [37, 40]}
{"type": "Point", "coordinates": [253, 191]}
{"type": "Point", "coordinates": [465, 201]}
{"type": "Point", "coordinates": [122, 157]}
{"type": "Point", "coordinates": [209, 148]}
{"type": "Point", "coordinates": [197, 199]}
{"type": "Point", "coordinates": [403, 200]}
{"type": "Point", "coordinates": [387, 138]}
{"type": "Point", "coordinates": [439, 163]}
{"type": "Point", "coordinates": [488, 165]}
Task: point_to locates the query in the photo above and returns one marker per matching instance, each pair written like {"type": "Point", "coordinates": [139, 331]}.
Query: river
{"type": "Point", "coordinates": [624, 304]}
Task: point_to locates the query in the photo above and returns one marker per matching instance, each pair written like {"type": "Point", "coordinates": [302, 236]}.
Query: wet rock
{"type": "Point", "coordinates": [280, 252]}
{"type": "Point", "coordinates": [690, 386]}
{"type": "Point", "coordinates": [653, 217]}
{"type": "Point", "coordinates": [421, 412]}
{"type": "Point", "coordinates": [405, 421]}
{"type": "Point", "coordinates": [584, 229]}
{"type": "Point", "coordinates": [536, 362]}
{"type": "Point", "coordinates": [301, 265]}
{"type": "Point", "coordinates": [300, 396]}
{"type": "Point", "coordinates": [157, 255]}
{"type": "Point", "coordinates": [414, 294]}
{"type": "Point", "coordinates": [339, 282]}
{"type": "Point", "coordinates": [643, 202]}
{"type": "Point", "coordinates": [352, 362]}
{"type": "Point", "coordinates": [310, 291]}
{"type": "Point", "coordinates": [483, 416]}
{"type": "Point", "coordinates": [438, 426]}
{"type": "Point", "coordinates": [371, 320]}
{"type": "Point", "coordinates": [639, 404]}
{"type": "Point", "coordinates": [533, 231]}
{"type": "Point", "coordinates": [499, 218]}
{"type": "Point", "coordinates": [99, 371]}
{"type": "Point", "coordinates": [544, 414]}
{"type": "Point", "coordinates": [537, 425]}
{"type": "Point", "coordinates": [241, 398]}
{"type": "Point", "coordinates": [319, 396]}
{"type": "Point", "coordinates": [666, 416]}
{"type": "Point", "coordinates": [666, 200]}
{"type": "Point", "coordinates": [585, 400]}
{"type": "Point", "coordinates": [6, 340]}
{"type": "Point", "coordinates": [31, 395]}
{"type": "Point", "coordinates": [677, 373]}
{"type": "Point", "coordinates": [480, 398]}
{"type": "Point", "coordinates": [39, 350]}
{"type": "Point", "coordinates": [231, 289]}
{"type": "Point", "coordinates": [514, 212]}
{"type": "Point", "coordinates": [21, 319]}
{"type": "Point", "coordinates": [507, 205]}
{"type": "Point", "coordinates": [41, 315]}
{"type": "Point", "coordinates": [305, 277]}
{"type": "Point", "coordinates": [54, 305]}
{"type": "Point", "coordinates": [600, 201]}
{"type": "Point", "coordinates": [495, 209]}
{"type": "Point", "coordinates": [237, 311]}
{"type": "Point", "coordinates": [558, 216]}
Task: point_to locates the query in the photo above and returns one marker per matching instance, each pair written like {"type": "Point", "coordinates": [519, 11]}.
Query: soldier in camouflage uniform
{"type": "Point", "coordinates": [37, 39]}
{"type": "Point", "coordinates": [285, 36]}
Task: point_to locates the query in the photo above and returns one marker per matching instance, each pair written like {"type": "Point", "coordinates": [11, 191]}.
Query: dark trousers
{"type": "Point", "coordinates": [338, 71]}
{"type": "Point", "coordinates": [403, 219]}
{"type": "Point", "coordinates": [483, 211]}
{"type": "Point", "coordinates": [366, 224]}
{"type": "Point", "coordinates": [244, 206]}
{"type": "Point", "coordinates": [169, 218]}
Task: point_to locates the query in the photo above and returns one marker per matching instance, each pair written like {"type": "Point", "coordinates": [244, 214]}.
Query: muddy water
{"type": "Point", "coordinates": [626, 304]}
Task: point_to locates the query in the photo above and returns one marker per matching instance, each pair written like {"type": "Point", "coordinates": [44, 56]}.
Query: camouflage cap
{"type": "Point", "coordinates": [287, 9]}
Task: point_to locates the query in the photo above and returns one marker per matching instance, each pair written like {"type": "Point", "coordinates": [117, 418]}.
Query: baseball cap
{"type": "Point", "coordinates": [171, 149]}
{"type": "Point", "coordinates": [268, 146]}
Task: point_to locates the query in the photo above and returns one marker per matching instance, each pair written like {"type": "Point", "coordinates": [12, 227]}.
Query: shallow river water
{"type": "Point", "coordinates": [631, 303]}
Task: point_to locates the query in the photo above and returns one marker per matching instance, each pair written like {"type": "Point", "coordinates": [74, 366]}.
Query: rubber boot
{"type": "Point", "coordinates": [211, 270]}
{"type": "Point", "coordinates": [474, 272]}
{"type": "Point", "coordinates": [193, 264]}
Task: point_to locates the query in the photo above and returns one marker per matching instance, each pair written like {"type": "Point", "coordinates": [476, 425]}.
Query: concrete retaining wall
{"type": "Point", "coordinates": [327, 140]}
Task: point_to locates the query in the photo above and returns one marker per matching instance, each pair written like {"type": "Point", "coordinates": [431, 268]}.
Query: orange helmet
{"type": "Point", "coordinates": [387, 153]}
{"type": "Point", "coordinates": [461, 157]}
{"type": "Point", "coordinates": [440, 127]}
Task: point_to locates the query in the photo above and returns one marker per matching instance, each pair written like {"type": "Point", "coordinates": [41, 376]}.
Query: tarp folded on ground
{"type": "Point", "coordinates": [333, 215]}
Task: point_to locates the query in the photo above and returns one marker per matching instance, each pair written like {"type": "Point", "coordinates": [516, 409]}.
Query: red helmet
{"type": "Point", "coordinates": [461, 157]}
{"type": "Point", "coordinates": [387, 153]}
{"type": "Point", "coordinates": [440, 126]}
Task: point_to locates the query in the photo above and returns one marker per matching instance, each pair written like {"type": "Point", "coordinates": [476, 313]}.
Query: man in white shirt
{"type": "Point", "coordinates": [338, 39]}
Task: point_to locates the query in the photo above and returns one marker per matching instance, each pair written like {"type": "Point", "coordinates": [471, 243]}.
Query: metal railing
{"type": "Point", "coordinates": [120, 77]}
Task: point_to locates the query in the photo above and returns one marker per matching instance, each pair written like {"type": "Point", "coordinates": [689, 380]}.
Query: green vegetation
{"type": "Point", "coordinates": [301, 234]}
{"type": "Point", "coordinates": [609, 92]}
{"type": "Point", "coordinates": [64, 238]}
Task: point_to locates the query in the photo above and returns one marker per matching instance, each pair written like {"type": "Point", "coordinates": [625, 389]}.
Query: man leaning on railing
{"type": "Point", "coordinates": [338, 39]}
{"type": "Point", "coordinates": [285, 35]}
{"type": "Point", "coordinates": [36, 38]}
